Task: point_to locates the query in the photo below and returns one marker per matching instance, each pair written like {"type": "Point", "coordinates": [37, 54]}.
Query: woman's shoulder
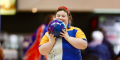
{"type": "Point", "coordinates": [77, 28]}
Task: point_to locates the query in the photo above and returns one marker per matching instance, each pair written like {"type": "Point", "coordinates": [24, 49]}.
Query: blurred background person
{"type": "Point", "coordinates": [1, 54]}
{"type": "Point", "coordinates": [32, 52]}
{"type": "Point", "coordinates": [96, 48]}
{"type": "Point", "coordinates": [95, 25]}
{"type": "Point", "coordinates": [91, 57]}
{"type": "Point", "coordinates": [118, 57]}
{"type": "Point", "coordinates": [108, 44]}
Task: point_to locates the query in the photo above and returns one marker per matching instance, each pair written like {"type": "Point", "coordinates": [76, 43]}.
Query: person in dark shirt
{"type": "Point", "coordinates": [97, 48]}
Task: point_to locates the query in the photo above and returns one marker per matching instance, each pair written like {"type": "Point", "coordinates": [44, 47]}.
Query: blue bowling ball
{"type": "Point", "coordinates": [55, 27]}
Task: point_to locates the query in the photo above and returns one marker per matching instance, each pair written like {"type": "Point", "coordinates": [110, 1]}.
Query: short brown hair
{"type": "Point", "coordinates": [48, 18]}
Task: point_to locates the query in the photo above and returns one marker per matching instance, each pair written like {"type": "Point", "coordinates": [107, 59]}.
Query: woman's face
{"type": "Point", "coordinates": [62, 15]}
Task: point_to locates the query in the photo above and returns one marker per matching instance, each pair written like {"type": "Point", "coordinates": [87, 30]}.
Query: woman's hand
{"type": "Point", "coordinates": [64, 34]}
{"type": "Point", "coordinates": [52, 37]}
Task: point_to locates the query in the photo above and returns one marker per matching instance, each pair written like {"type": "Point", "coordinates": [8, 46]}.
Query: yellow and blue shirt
{"type": "Point", "coordinates": [62, 49]}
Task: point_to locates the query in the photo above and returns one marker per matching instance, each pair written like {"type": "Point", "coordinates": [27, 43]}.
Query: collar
{"type": "Point", "coordinates": [68, 26]}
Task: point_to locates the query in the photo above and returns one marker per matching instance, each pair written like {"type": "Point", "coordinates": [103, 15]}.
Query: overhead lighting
{"type": "Point", "coordinates": [34, 10]}
{"type": "Point", "coordinates": [116, 11]}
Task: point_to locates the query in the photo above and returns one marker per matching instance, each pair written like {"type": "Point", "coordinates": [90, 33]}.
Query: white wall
{"type": "Point", "coordinates": [73, 5]}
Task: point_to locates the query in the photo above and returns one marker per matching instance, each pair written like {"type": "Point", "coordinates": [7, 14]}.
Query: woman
{"type": "Point", "coordinates": [68, 46]}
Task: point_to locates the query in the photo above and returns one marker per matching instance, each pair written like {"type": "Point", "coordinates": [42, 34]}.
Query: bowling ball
{"type": "Point", "coordinates": [55, 27]}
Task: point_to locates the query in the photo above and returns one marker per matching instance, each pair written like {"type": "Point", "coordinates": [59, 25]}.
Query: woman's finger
{"type": "Point", "coordinates": [55, 37]}
{"type": "Point", "coordinates": [52, 35]}
{"type": "Point", "coordinates": [61, 35]}
{"type": "Point", "coordinates": [63, 31]}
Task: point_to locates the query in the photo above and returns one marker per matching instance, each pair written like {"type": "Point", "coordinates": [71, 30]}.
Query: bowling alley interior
{"type": "Point", "coordinates": [19, 19]}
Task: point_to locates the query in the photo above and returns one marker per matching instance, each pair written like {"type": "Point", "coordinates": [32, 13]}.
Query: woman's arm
{"type": "Point", "coordinates": [77, 42]}
{"type": "Point", "coordinates": [46, 47]}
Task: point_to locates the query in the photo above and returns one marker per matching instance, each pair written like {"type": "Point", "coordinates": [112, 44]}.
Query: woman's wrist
{"type": "Point", "coordinates": [68, 38]}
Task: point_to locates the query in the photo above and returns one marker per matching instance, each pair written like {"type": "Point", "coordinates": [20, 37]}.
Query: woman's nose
{"type": "Point", "coordinates": [60, 18]}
